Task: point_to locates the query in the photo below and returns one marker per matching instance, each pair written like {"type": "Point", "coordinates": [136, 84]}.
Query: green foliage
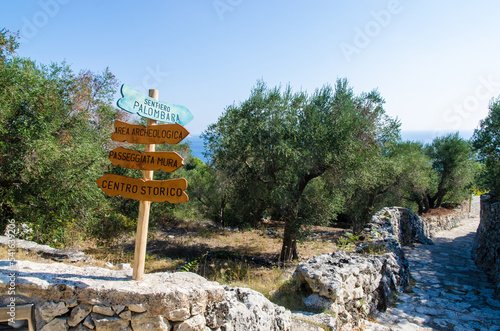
{"type": "Point", "coordinates": [486, 141]}
{"type": "Point", "coordinates": [54, 134]}
{"type": "Point", "coordinates": [454, 166]}
{"type": "Point", "coordinates": [413, 175]}
{"type": "Point", "coordinates": [190, 266]}
{"type": "Point", "coordinates": [374, 249]}
{"type": "Point", "coordinates": [345, 244]}
{"type": "Point", "coordinates": [272, 146]}
{"type": "Point", "coordinates": [107, 227]}
{"type": "Point", "coordinates": [429, 175]}
{"type": "Point", "coordinates": [8, 44]}
{"type": "Point", "coordinates": [348, 242]}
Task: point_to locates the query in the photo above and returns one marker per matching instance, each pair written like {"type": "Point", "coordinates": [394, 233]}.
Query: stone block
{"type": "Point", "coordinates": [154, 323]}
{"type": "Point", "coordinates": [126, 315]}
{"type": "Point", "coordinates": [48, 310]}
{"type": "Point", "coordinates": [89, 322]}
{"type": "Point", "coordinates": [178, 314]}
{"type": "Point", "coordinates": [137, 308]}
{"type": "Point", "coordinates": [57, 324]}
{"type": "Point", "coordinates": [108, 323]}
{"type": "Point", "coordinates": [103, 310]}
{"type": "Point", "coordinates": [195, 323]}
{"type": "Point", "coordinates": [79, 313]}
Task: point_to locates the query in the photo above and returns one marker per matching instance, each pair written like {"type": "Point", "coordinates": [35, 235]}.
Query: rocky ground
{"type": "Point", "coordinates": [448, 292]}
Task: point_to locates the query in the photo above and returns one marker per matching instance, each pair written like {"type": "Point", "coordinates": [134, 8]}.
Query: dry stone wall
{"type": "Point", "coordinates": [399, 224]}
{"type": "Point", "coordinates": [486, 246]}
{"type": "Point", "coordinates": [352, 285]}
{"type": "Point", "coordinates": [436, 223]}
{"type": "Point", "coordinates": [72, 298]}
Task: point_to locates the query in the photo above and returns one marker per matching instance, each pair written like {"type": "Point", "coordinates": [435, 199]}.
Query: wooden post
{"type": "Point", "coordinates": [141, 237]}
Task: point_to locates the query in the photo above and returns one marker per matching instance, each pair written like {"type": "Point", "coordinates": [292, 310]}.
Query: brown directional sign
{"type": "Point", "coordinates": [153, 134]}
{"type": "Point", "coordinates": [166, 161]}
{"type": "Point", "coordinates": [171, 190]}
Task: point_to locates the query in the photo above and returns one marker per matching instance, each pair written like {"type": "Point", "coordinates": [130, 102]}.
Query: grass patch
{"type": "Point", "coordinates": [374, 249]}
{"type": "Point", "coordinates": [289, 295]}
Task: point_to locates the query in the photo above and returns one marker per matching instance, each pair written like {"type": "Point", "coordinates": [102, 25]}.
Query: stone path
{"type": "Point", "coordinates": [448, 292]}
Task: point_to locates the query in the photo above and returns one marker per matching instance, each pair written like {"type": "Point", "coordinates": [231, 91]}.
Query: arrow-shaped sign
{"type": "Point", "coordinates": [153, 134]}
{"type": "Point", "coordinates": [171, 190]}
{"type": "Point", "coordinates": [135, 102]}
{"type": "Point", "coordinates": [166, 161]}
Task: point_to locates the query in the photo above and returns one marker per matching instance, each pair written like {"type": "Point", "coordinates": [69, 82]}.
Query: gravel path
{"type": "Point", "coordinates": [449, 292]}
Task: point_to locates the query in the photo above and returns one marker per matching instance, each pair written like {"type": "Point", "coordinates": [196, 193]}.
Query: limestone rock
{"type": "Point", "coordinates": [107, 323]}
{"type": "Point", "coordinates": [79, 313]}
{"type": "Point", "coordinates": [195, 323]}
{"type": "Point", "coordinates": [248, 310]}
{"type": "Point", "coordinates": [325, 320]}
{"type": "Point", "coordinates": [124, 266]}
{"type": "Point", "coordinates": [57, 324]}
{"type": "Point", "coordinates": [216, 314]}
{"type": "Point", "coordinates": [45, 250]}
{"type": "Point", "coordinates": [402, 225]}
{"type": "Point", "coordinates": [72, 303]}
{"type": "Point", "coordinates": [89, 323]}
{"type": "Point", "coordinates": [316, 302]}
{"type": "Point", "coordinates": [486, 246]}
{"type": "Point", "coordinates": [144, 322]}
{"type": "Point", "coordinates": [137, 308]}
{"type": "Point", "coordinates": [157, 293]}
{"type": "Point", "coordinates": [301, 325]}
{"type": "Point", "coordinates": [347, 280]}
{"type": "Point", "coordinates": [49, 310]}
{"type": "Point", "coordinates": [126, 315]}
{"type": "Point", "coordinates": [79, 327]}
{"type": "Point", "coordinates": [118, 308]}
{"type": "Point", "coordinates": [351, 285]}
{"type": "Point", "coordinates": [103, 310]}
{"type": "Point", "coordinates": [178, 314]}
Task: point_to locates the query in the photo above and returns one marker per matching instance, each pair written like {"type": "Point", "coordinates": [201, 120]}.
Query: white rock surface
{"type": "Point", "coordinates": [246, 309]}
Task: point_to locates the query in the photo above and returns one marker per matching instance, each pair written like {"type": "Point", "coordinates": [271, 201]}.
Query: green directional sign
{"type": "Point", "coordinates": [135, 102]}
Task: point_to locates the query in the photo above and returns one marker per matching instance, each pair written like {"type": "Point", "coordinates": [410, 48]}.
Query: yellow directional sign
{"type": "Point", "coordinates": [166, 161]}
{"type": "Point", "coordinates": [153, 134]}
{"type": "Point", "coordinates": [171, 190]}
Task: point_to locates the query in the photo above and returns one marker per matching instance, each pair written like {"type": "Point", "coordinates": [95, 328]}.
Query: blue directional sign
{"type": "Point", "coordinates": [135, 102]}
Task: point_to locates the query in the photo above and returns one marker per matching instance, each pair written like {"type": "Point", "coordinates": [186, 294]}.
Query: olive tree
{"type": "Point", "coordinates": [486, 141]}
{"type": "Point", "coordinates": [275, 143]}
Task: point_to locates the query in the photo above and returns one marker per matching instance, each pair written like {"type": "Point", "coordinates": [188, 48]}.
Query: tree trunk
{"type": "Point", "coordinates": [439, 201]}
{"type": "Point", "coordinates": [289, 250]}
{"type": "Point", "coordinates": [420, 207]}
{"type": "Point", "coordinates": [427, 204]}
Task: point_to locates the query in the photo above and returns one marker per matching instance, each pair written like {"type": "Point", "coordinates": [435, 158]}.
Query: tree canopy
{"type": "Point", "coordinates": [54, 133]}
{"type": "Point", "coordinates": [274, 144]}
{"type": "Point", "coordinates": [486, 141]}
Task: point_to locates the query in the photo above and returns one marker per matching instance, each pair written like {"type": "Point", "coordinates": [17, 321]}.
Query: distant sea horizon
{"type": "Point", "coordinates": [423, 136]}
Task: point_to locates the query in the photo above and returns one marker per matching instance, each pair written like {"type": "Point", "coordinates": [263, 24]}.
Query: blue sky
{"type": "Point", "coordinates": [437, 64]}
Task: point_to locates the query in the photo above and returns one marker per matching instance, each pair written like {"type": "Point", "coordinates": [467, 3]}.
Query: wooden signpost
{"type": "Point", "coordinates": [134, 102]}
{"type": "Point", "coordinates": [139, 134]}
{"type": "Point", "coordinates": [171, 190]}
{"type": "Point", "coordinates": [166, 161]}
{"type": "Point", "coordinates": [146, 189]}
